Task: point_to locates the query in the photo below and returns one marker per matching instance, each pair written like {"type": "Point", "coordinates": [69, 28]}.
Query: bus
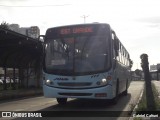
{"type": "Point", "coordinates": [85, 61]}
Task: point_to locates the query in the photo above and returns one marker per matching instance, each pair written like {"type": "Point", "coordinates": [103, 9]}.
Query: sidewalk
{"type": "Point", "coordinates": [20, 93]}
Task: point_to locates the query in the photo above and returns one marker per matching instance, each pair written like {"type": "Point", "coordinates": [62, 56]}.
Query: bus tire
{"type": "Point", "coordinates": [115, 99]}
{"type": "Point", "coordinates": [125, 93]}
{"type": "Point", "coordinates": [62, 101]}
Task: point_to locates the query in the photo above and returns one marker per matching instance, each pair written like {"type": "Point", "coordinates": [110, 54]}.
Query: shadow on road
{"type": "Point", "coordinates": [86, 108]}
{"type": "Point", "coordinates": [91, 105]}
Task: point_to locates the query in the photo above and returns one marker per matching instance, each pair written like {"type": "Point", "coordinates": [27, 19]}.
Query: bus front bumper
{"type": "Point", "coordinates": [104, 92]}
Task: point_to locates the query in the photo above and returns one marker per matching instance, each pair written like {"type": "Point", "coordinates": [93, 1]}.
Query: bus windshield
{"type": "Point", "coordinates": [77, 55]}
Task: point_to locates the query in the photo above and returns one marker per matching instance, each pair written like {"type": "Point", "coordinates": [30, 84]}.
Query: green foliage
{"type": "Point", "coordinates": [131, 63]}
{"type": "Point", "coordinates": [9, 87]}
{"type": "Point", "coordinates": [138, 72]}
{"type": "Point", "coordinates": [4, 25]}
{"type": "Point", "coordinates": [156, 98]}
{"type": "Point", "coordinates": [137, 118]}
{"type": "Point", "coordinates": [142, 105]}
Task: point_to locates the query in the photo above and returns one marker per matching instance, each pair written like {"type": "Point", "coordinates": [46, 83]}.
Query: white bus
{"type": "Point", "coordinates": [85, 61]}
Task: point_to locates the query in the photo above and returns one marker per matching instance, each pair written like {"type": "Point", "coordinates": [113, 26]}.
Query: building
{"type": "Point", "coordinates": [14, 27]}
{"type": "Point", "coordinates": [32, 31]}
{"type": "Point", "coordinates": [153, 67]}
{"type": "Point", "coordinates": [154, 71]}
{"type": "Point", "coordinates": [158, 66]}
{"type": "Point", "coordinates": [24, 30]}
{"type": "Point", "coordinates": [9, 72]}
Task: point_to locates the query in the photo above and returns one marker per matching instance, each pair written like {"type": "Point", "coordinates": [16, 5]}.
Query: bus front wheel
{"type": "Point", "coordinates": [62, 101]}
{"type": "Point", "coordinates": [115, 99]}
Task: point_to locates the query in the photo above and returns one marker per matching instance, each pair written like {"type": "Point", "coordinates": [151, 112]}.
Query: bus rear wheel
{"type": "Point", "coordinates": [62, 101]}
{"type": "Point", "coordinates": [125, 93]}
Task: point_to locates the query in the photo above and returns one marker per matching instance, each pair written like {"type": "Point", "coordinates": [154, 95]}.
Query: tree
{"type": "Point", "coordinates": [147, 78]}
{"type": "Point", "coordinates": [4, 25]}
{"type": "Point", "coordinates": [138, 72]}
{"type": "Point", "coordinates": [130, 63]}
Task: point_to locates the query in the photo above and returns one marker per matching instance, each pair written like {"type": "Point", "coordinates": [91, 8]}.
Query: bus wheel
{"type": "Point", "coordinates": [126, 91]}
{"type": "Point", "coordinates": [62, 101]}
{"type": "Point", "coordinates": [115, 99]}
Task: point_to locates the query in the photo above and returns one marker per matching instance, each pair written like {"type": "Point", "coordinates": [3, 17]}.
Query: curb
{"type": "Point", "coordinates": [140, 97]}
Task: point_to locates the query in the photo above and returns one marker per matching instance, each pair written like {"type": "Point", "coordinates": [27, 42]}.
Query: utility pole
{"type": "Point", "coordinates": [148, 87]}
{"type": "Point", "coordinates": [84, 17]}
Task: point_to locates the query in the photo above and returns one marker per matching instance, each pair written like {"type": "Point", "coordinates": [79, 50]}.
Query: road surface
{"type": "Point", "coordinates": [41, 104]}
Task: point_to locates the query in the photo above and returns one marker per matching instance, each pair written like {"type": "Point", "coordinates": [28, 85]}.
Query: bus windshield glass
{"type": "Point", "coordinates": [77, 55]}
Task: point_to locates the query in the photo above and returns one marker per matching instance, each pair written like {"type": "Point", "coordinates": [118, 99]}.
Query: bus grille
{"type": "Point", "coordinates": [75, 94]}
{"type": "Point", "coordinates": [71, 84]}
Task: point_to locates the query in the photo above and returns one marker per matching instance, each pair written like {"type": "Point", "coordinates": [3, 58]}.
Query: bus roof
{"type": "Point", "coordinates": [72, 25]}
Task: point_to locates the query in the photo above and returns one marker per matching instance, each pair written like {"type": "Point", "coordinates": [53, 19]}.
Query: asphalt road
{"type": "Point", "coordinates": [41, 104]}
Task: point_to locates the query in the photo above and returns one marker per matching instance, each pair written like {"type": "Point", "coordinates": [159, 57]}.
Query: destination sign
{"type": "Point", "coordinates": [76, 30]}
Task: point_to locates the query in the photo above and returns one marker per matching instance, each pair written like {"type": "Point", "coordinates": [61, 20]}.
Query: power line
{"type": "Point", "coordinates": [35, 5]}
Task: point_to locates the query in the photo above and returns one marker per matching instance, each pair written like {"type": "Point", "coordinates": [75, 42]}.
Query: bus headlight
{"type": "Point", "coordinates": [102, 82]}
{"type": "Point", "coordinates": [48, 82]}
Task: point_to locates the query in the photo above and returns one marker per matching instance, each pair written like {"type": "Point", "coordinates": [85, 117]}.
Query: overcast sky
{"type": "Point", "coordinates": [136, 22]}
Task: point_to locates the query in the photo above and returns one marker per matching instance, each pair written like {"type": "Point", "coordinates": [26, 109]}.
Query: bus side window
{"type": "Point", "coordinates": [120, 55]}
{"type": "Point", "coordinates": [116, 45]}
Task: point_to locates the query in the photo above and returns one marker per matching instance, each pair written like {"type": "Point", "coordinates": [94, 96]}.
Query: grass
{"type": "Point", "coordinates": [142, 105]}
{"type": "Point", "coordinates": [9, 87]}
{"type": "Point", "coordinates": [137, 118]}
{"type": "Point", "coordinates": [156, 97]}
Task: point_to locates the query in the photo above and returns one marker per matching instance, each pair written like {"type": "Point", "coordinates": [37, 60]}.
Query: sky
{"type": "Point", "coordinates": [136, 22]}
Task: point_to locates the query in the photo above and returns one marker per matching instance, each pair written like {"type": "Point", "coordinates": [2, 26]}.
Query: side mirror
{"type": "Point", "coordinates": [41, 38]}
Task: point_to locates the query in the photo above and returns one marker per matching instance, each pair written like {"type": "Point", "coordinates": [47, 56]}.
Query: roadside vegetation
{"type": "Point", "coordinates": [142, 105]}
{"type": "Point", "coordinates": [9, 86]}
